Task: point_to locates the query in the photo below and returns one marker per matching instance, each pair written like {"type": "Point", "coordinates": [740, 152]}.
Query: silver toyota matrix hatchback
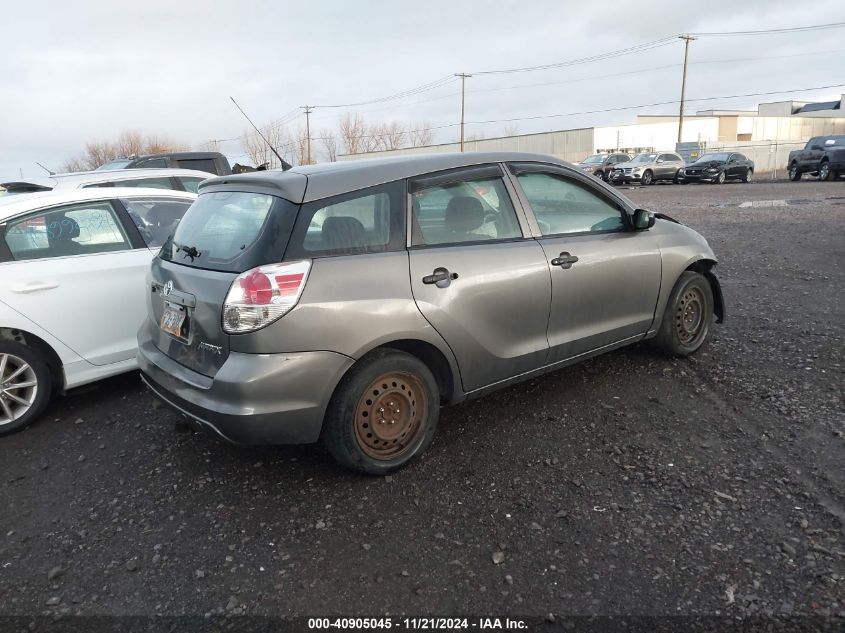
{"type": "Point", "coordinates": [347, 302]}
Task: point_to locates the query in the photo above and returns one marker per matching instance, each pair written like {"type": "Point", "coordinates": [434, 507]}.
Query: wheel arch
{"type": "Point", "coordinates": [444, 371]}
{"type": "Point", "coordinates": [704, 267]}
{"type": "Point", "coordinates": [43, 348]}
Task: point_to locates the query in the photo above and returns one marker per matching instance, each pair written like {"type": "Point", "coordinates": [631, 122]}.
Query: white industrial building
{"type": "Point", "coordinates": [766, 135]}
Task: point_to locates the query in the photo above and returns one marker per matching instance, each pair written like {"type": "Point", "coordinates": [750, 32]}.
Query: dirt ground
{"type": "Point", "coordinates": [629, 484]}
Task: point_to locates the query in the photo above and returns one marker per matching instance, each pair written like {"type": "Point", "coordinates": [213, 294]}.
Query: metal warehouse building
{"type": "Point", "coordinates": [766, 136]}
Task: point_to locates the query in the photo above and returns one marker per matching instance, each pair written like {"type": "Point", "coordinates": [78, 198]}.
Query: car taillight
{"type": "Point", "coordinates": [259, 296]}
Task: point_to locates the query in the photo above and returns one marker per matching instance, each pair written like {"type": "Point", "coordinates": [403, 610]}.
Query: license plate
{"type": "Point", "coordinates": [173, 319]}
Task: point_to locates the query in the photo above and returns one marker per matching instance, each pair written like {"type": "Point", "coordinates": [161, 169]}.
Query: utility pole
{"type": "Point", "coordinates": [308, 110]}
{"type": "Point", "coordinates": [687, 39]}
{"type": "Point", "coordinates": [463, 77]}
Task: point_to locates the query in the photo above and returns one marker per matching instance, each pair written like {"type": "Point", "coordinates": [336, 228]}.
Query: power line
{"type": "Point", "coordinates": [792, 29]}
{"type": "Point", "coordinates": [399, 95]}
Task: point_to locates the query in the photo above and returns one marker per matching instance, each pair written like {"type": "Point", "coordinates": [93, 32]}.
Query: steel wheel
{"type": "Point", "coordinates": [389, 414]}
{"type": "Point", "coordinates": [689, 317]}
{"type": "Point", "coordinates": [18, 388]}
{"type": "Point", "coordinates": [824, 171]}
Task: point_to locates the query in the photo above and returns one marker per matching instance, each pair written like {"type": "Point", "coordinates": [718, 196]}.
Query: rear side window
{"type": "Point", "coordinates": [466, 209]}
{"type": "Point", "coordinates": [365, 221]}
{"type": "Point", "coordinates": [153, 183]}
{"type": "Point", "coordinates": [80, 229]}
{"type": "Point", "coordinates": [191, 183]}
{"type": "Point", "coordinates": [201, 164]}
{"type": "Point", "coordinates": [231, 231]}
{"type": "Point", "coordinates": [156, 218]}
{"type": "Point", "coordinates": [152, 163]}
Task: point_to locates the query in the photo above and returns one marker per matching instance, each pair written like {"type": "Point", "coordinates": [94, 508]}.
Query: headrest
{"type": "Point", "coordinates": [344, 232]}
{"type": "Point", "coordinates": [464, 214]}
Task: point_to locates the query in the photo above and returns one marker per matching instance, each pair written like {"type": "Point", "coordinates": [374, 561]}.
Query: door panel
{"type": "Point", "coordinates": [494, 314]}
{"type": "Point", "coordinates": [94, 304]}
{"type": "Point", "coordinates": [607, 295]}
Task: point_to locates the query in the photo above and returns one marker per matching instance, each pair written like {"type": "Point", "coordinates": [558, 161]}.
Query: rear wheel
{"type": "Point", "coordinates": [794, 174]}
{"type": "Point", "coordinates": [25, 386]}
{"type": "Point", "coordinates": [749, 174]}
{"type": "Point", "coordinates": [677, 179]}
{"type": "Point", "coordinates": [647, 178]}
{"type": "Point", "coordinates": [383, 414]}
{"type": "Point", "coordinates": [688, 315]}
{"type": "Point", "coordinates": [824, 171]}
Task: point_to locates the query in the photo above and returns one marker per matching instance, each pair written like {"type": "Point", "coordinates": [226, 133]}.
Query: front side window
{"type": "Point", "coordinates": [563, 206]}
{"type": "Point", "coordinates": [364, 221]}
{"type": "Point", "coordinates": [156, 218]}
{"type": "Point", "coordinates": [470, 210]}
{"type": "Point", "coordinates": [79, 229]}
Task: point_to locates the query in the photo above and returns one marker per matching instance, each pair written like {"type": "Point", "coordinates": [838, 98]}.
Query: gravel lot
{"type": "Point", "coordinates": [630, 484]}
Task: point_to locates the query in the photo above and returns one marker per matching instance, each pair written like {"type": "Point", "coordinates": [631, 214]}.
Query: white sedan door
{"type": "Point", "coordinates": [76, 273]}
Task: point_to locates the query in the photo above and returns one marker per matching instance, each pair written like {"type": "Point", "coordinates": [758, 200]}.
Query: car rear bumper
{"type": "Point", "coordinates": [253, 398]}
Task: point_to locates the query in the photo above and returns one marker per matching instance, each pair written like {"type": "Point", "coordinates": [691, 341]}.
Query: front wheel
{"type": "Point", "coordinates": [688, 316]}
{"type": "Point", "coordinates": [25, 386]}
{"type": "Point", "coordinates": [794, 174]}
{"type": "Point", "coordinates": [647, 178]}
{"type": "Point", "coordinates": [749, 174]}
{"type": "Point", "coordinates": [383, 414]}
{"type": "Point", "coordinates": [720, 179]}
{"type": "Point", "coordinates": [824, 171]}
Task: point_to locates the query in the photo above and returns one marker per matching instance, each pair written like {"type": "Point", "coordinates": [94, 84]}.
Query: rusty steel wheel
{"type": "Point", "coordinates": [388, 416]}
{"type": "Point", "coordinates": [383, 413]}
{"type": "Point", "coordinates": [689, 317]}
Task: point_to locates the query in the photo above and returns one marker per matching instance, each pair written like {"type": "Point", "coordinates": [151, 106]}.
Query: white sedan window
{"type": "Point", "coordinates": [78, 229]}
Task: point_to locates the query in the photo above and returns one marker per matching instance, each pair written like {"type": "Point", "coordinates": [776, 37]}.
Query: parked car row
{"type": "Point", "coordinates": [343, 302]}
{"type": "Point", "coordinates": [650, 167]}
{"type": "Point", "coordinates": [173, 179]}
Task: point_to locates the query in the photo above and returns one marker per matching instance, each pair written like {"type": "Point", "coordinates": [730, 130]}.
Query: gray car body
{"type": "Point", "coordinates": [476, 334]}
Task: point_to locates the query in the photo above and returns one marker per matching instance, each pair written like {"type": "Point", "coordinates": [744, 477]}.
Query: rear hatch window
{"type": "Point", "coordinates": [231, 231]}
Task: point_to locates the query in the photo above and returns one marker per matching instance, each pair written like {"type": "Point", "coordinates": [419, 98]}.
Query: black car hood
{"type": "Point", "coordinates": [709, 163]}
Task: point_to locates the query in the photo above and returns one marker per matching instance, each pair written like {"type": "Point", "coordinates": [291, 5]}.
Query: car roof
{"type": "Point", "coordinates": [314, 182]}
{"type": "Point", "coordinates": [22, 203]}
{"type": "Point", "coordinates": [75, 179]}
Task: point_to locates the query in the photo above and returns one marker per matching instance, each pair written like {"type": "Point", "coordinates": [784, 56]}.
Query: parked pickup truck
{"type": "Point", "coordinates": [823, 156]}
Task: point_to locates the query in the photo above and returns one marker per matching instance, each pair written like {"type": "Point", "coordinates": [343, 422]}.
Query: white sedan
{"type": "Point", "coordinates": [73, 265]}
{"type": "Point", "coordinates": [175, 179]}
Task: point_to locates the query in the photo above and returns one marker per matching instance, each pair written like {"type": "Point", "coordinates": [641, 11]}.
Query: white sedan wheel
{"type": "Point", "coordinates": [18, 388]}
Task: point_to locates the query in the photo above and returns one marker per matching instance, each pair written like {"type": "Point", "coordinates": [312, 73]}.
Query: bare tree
{"type": "Point", "coordinates": [511, 129]}
{"type": "Point", "coordinates": [392, 135]}
{"type": "Point", "coordinates": [352, 132]}
{"type": "Point", "coordinates": [77, 163]}
{"type": "Point", "coordinates": [420, 134]}
{"type": "Point", "coordinates": [211, 145]}
{"type": "Point", "coordinates": [260, 152]}
{"type": "Point", "coordinates": [299, 142]}
{"type": "Point", "coordinates": [129, 143]}
{"type": "Point", "coordinates": [328, 138]}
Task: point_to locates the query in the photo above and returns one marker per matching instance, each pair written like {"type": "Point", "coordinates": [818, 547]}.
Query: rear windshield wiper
{"type": "Point", "coordinates": [190, 251]}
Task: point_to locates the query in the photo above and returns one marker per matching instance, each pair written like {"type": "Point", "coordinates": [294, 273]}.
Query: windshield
{"type": "Point", "coordinates": [231, 231]}
{"type": "Point", "coordinates": [723, 156]}
{"type": "Point", "coordinates": [644, 158]}
{"type": "Point", "coordinates": [114, 164]}
{"type": "Point", "coordinates": [596, 158]}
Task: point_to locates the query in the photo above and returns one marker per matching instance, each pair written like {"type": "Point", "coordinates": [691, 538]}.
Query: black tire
{"type": "Point", "coordinates": [599, 174]}
{"type": "Point", "coordinates": [749, 175]}
{"type": "Point", "coordinates": [688, 316]}
{"type": "Point", "coordinates": [352, 413]}
{"type": "Point", "coordinates": [825, 172]}
{"type": "Point", "coordinates": [647, 178]}
{"type": "Point", "coordinates": [677, 179]}
{"type": "Point", "coordinates": [16, 355]}
{"type": "Point", "coordinates": [794, 174]}
{"type": "Point", "coordinates": [720, 179]}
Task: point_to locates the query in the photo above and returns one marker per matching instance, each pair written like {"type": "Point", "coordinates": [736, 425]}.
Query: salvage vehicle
{"type": "Point", "coordinates": [649, 167]}
{"type": "Point", "coordinates": [175, 179]}
{"type": "Point", "coordinates": [601, 165]}
{"type": "Point", "coordinates": [347, 302]}
{"type": "Point", "coordinates": [718, 167]}
{"type": "Point", "coordinates": [209, 162]}
{"type": "Point", "coordinates": [72, 269]}
{"type": "Point", "coordinates": [823, 156]}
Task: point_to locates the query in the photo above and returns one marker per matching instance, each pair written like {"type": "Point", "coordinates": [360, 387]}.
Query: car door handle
{"type": "Point", "coordinates": [438, 276]}
{"type": "Point", "coordinates": [33, 286]}
{"type": "Point", "coordinates": [565, 260]}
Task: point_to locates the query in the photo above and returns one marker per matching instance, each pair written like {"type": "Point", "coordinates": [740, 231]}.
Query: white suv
{"type": "Point", "coordinates": [173, 179]}
{"type": "Point", "coordinates": [72, 269]}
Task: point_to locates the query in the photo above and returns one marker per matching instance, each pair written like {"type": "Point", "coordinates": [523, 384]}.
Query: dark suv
{"type": "Point", "coordinates": [346, 302]}
{"type": "Point", "coordinates": [601, 165]}
{"type": "Point", "coordinates": [210, 162]}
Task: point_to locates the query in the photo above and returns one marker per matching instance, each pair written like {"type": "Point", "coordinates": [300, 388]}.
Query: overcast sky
{"type": "Point", "coordinates": [79, 71]}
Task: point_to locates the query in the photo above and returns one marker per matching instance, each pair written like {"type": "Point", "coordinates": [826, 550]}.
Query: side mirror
{"type": "Point", "coordinates": [643, 219]}
{"type": "Point", "coordinates": [659, 161]}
